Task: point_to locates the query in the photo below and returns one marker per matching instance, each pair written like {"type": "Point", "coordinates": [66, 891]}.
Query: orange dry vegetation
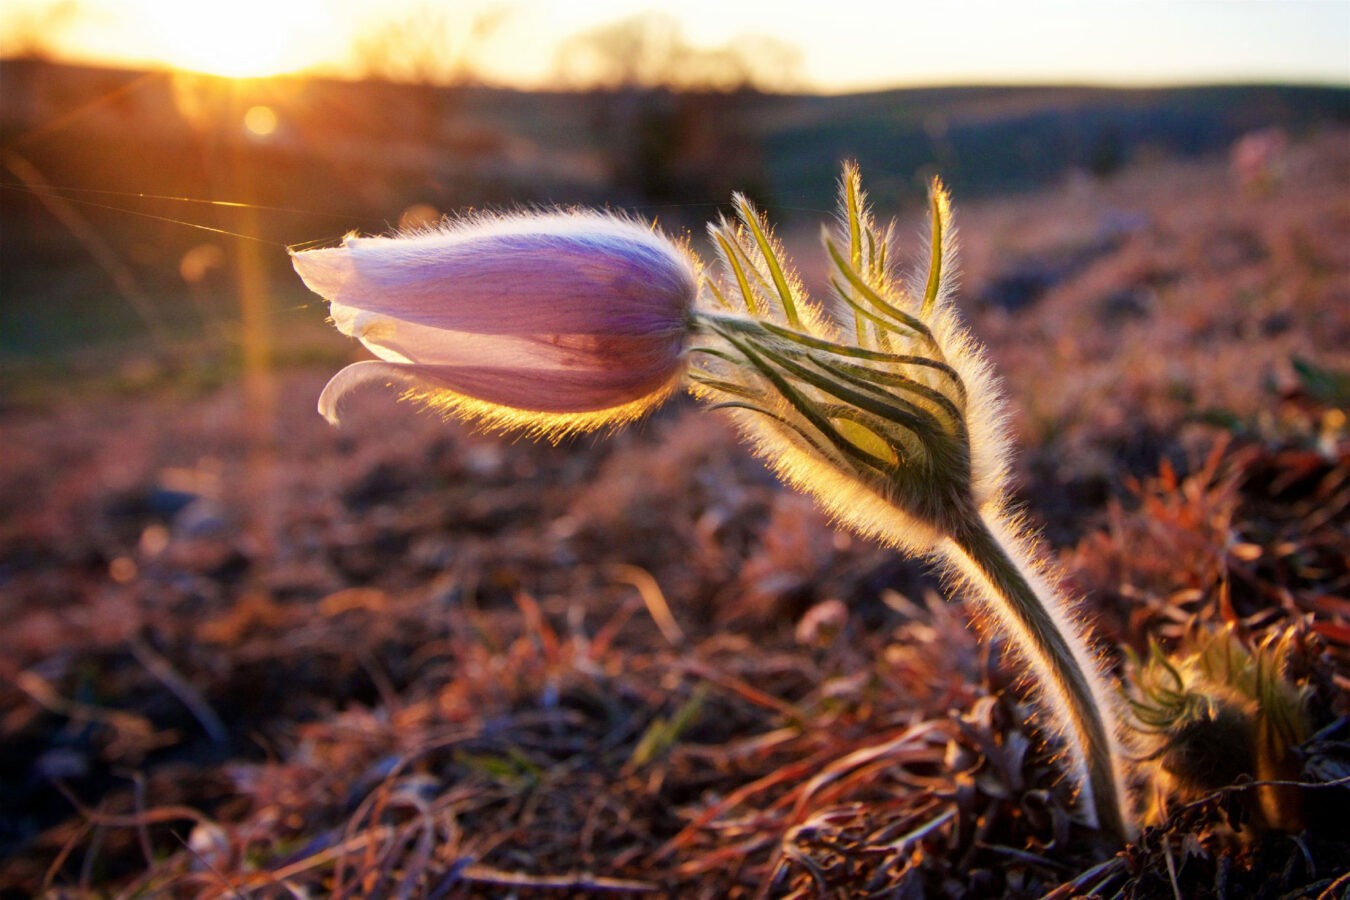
{"type": "Point", "coordinates": [400, 659]}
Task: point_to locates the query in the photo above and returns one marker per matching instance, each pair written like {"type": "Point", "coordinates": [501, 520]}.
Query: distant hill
{"type": "Point", "coordinates": [983, 140]}
{"type": "Point", "coordinates": [997, 139]}
{"type": "Point", "coordinates": [464, 146]}
{"type": "Point", "coordinates": [359, 155]}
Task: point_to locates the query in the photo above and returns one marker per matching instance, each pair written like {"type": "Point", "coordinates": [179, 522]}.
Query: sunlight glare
{"type": "Point", "coordinates": [243, 38]}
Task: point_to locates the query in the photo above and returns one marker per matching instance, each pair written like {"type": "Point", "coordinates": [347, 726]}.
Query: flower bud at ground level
{"type": "Point", "coordinates": [550, 322]}
{"type": "Point", "coordinates": [1214, 712]}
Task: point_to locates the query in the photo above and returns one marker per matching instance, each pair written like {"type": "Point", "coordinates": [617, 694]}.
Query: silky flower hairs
{"type": "Point", "coordinates": [881, 408]}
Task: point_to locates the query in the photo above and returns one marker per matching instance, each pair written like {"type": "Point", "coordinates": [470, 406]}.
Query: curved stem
{"type": "Point", "coordinates": [1067, 675]}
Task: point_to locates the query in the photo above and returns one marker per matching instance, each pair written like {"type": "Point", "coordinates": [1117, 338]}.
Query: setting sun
{"type": "Point", "coordinates": [518, 43]}
{"type": "Point", "coordinates": [244, 38]}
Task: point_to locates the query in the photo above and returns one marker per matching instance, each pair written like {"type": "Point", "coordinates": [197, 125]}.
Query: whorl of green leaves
{"type": "Point", "coordinates": [868, 391]}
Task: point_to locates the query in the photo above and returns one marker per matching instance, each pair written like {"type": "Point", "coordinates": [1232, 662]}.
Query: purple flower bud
{"type": "Point", "coordinates": [554, 322]}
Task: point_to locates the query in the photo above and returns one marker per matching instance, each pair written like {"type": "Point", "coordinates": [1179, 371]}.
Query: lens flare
{"type": "Point", "coordinates": [260, 121]}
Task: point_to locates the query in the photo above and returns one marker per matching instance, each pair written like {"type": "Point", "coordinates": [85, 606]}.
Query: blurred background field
{"type": "Point", "coordinates": [316, 158]}
{"type": "Point", "coordinates": [245, 652]}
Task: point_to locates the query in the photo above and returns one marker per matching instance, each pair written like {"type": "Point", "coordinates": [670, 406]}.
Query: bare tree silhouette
{"type": "Point", "coordinates": [428, 44]}
{"type": "Point", "coordinates": [30, 30]}
{"type": "Point", "coordinates": [650, 51]}
{"type": "Point", "coordinates": [673, 115]}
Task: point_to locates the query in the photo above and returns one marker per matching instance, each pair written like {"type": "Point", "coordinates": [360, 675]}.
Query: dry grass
{"type": "Point", "coordinates": [400, 660]}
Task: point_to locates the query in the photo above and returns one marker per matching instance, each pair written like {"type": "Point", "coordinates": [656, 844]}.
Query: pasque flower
{"type": "Point", "coordinates": [1216, 711]}
{"type": "Point", "coordinates": [880, 405]}
{"type": "Point", "coordinates": [550, 322]}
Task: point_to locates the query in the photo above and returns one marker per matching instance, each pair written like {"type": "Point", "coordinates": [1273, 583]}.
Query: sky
{"type": "Point", "coordinates": [844, 46]}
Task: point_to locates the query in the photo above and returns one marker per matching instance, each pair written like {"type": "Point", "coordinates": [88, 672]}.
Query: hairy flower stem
{"type": "Point", "coordinates": [883, 408]}
{"type": "Point", "coordinates": [1066, 677]}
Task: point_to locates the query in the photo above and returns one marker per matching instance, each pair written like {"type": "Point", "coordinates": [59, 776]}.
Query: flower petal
{"type": "Point", "coordinates": [401, 341]}
{"type": "Point", "coordinates": [552, 391]}
{"type": "Point", "coordinates": [355, 375]}
{"type": "Point", "coordinates": [546, 391]}
{"type": "Point", "coordinates": [568, 274]}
